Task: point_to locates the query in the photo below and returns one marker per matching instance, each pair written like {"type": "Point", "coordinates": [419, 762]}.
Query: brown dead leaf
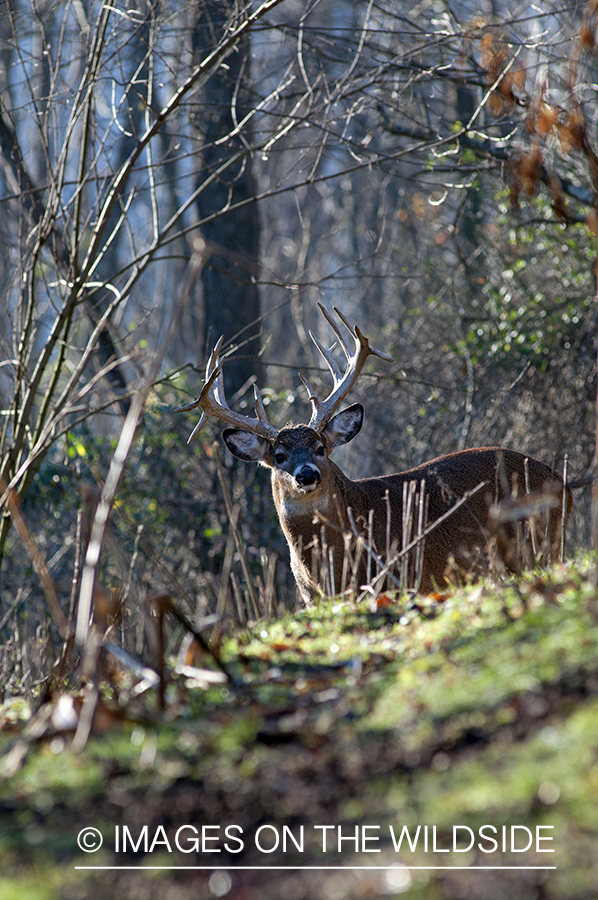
{"type": "Point", "coordinates": [496, 104]}
{"type": "Point", "coordinates": [519, 77]}
{"type": "Point", "coordinates": [383, 601]}
{"type": "Point", "coordinates": [527, 171]}
{"type": "Point", "coordinates": [559, 204]}
{"type": "Point", "coordinates": [505, 88]}
{"type": "Point", "coordinates": [438, 597]}
{"type": "Point", "coordinates": [572, 133]}
{"type": "Point", "coordinates": [587, 37]}
{"type": "Point", "coordinates": [514, 194]}
{"type": "Point", "coordinates": [486, 44]}
{"type": "Point", "coordinates": [546, 118]}
{"type": "Point", "coordinates": [191, 652]}
{"type": "Point", "coordinates": [592, 221]}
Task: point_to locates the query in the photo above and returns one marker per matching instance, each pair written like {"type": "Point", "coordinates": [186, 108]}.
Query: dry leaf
{"type": "Point", "coordinates": [438, 597]}
{"type": "Point", "coordinates": [383, 601]}
{"type": "Point", "coordinates": [592, 221]}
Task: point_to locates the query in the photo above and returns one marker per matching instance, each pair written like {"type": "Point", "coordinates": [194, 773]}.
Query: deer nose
{"type": "Point", "coordinates": [307, 475]}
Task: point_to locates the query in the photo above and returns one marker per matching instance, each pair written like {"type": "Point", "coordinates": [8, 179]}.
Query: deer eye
{"type": "Point", "coordinates": [279, 458]}
{"type": "Point", "coordinates": [320, 450]}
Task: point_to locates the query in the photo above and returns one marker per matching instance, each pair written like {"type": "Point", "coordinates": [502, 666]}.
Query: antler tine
{"type": "Point", "coordinates": [327, 354]}
{"type": "Point", "coordinates": [310, 392]}
{"type": "Point", "coordinates": [213, 370]}
{"type": "Point", "coordinates": [341, 337]}
{"type": "Point", "coordinates": [212, 401]}
{"type": "Point", "coordinates": [371, 350]}
{"type": "Point", "coordinates": [215, 363]}
{"type": "Point", "coordinates": [260, 411]}
{"type": "Point", "coordinates": [212, 375]}
{"type": "Point", "coordinates": [354, 330]}
{"type": "Point", "coordinates": [322, 410]}
{"type": "Point", "coordinates": [198, 427]}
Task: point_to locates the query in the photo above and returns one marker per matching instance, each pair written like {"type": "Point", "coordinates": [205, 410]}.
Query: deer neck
{"type": "Point", "coordinates": [302, 516]}
{"type": "Point", "coordinates": [297, 509]}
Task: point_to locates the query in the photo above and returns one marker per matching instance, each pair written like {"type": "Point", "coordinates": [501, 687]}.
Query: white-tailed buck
{"type": "Point", "coordinates": [343, 533]}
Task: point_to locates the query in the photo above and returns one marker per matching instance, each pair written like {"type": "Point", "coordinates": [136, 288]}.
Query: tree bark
{"type": "Point", "coordinates": [230, 292]}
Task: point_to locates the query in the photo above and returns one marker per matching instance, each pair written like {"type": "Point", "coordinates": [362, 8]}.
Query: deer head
{"type": "Point", "coordinates": [298, 453]}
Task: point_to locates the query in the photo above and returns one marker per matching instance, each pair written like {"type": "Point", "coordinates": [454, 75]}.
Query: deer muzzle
{"type": "Point", "coordinates": [308, 478]}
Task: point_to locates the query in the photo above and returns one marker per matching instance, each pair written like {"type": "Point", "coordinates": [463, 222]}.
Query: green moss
{"type": "Point", "coordinates": [474, 707]}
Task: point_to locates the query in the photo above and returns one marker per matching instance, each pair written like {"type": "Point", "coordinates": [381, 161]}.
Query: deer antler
{"type": "Point", "coordinates": [212, 402]}
{"type": "Point", "coordinates": [356, 356]}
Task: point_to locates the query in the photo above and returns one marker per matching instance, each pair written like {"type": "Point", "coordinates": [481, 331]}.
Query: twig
{"type": "Point", "coordinates": [36, 557]}
{"type": "Point", "coordinates": [233, 525]}
{"type": "Point", "coordinates": [117, 465]}
{"type": "Point", "coordinates": [165, 603]}
{"type": "Point", "coordinates": [564, 507]}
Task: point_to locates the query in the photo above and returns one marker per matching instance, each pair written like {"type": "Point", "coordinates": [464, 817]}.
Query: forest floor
{"type": "Point", "coordinates": [462, 725]}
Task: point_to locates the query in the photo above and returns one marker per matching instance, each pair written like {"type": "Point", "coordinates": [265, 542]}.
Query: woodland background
{"type": "Point", "coordinates": [173, 171]}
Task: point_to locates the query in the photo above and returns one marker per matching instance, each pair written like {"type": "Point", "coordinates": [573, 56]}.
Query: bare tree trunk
{"type": "Point", "coordinates": [231, 297]}
{"type": "Point", "coordinates": [594, 515]}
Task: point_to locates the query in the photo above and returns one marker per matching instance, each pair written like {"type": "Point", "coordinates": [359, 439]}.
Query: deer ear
{"type": "Point", "coordinates": [246, 445]}
{"type": "Point", "coordinates": [344, 426]}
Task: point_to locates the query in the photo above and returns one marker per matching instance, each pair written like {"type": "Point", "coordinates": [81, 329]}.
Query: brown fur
{"type": "Point", "coordinates": [455, 544]}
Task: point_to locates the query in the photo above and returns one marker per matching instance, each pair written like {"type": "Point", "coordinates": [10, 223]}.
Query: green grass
{"type": "Point", "coordinates": [480, 707]}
